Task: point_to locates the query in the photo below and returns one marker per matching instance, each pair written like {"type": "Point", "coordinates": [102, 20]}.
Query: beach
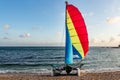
{"type": "Point", "coordinates": [113, 75]}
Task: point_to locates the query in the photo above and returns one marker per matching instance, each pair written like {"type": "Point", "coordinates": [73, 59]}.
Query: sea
{"type": "Point", "coordinates": [41, 60]}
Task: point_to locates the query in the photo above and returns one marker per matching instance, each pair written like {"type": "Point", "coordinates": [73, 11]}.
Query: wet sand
{"type": "Point", "coordinates": [84, 76]}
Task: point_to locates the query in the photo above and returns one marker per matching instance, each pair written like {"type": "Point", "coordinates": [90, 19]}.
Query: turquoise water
{"type": "Point", "coordinates": [34, 59]}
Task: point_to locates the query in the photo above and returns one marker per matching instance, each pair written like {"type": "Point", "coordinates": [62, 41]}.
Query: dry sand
{"type": "Point", "coordinates": [84, 76]}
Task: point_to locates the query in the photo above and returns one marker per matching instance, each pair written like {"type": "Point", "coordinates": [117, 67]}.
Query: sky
{"type": "Point", "coordinates": [42, 22]}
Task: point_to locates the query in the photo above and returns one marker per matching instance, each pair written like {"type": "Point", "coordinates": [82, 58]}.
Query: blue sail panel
{"type": "Point", "coordinates": [68, 49]}
{"type": "Point", "coordinates": [76, 53]}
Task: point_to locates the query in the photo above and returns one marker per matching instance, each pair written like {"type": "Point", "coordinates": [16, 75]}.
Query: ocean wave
{"type": "Point", "coordinates": [32, 71]}
{"type": "Point", "coordinates": [101, 70]}
{"type": "Point", "coordinates": [32, 64]}
{"type": "Point", "coordinates": [49, 71]}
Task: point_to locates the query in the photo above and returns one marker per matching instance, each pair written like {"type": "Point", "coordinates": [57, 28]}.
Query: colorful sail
{"type": "Point", "coordinates": [76, 35]}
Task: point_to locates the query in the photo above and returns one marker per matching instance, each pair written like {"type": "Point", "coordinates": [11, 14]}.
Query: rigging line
{"type": "Point", "coordinates": [63, 37]}
{"type": "Point", "coordinates": [61, 41]}
{"type": "Point", "coordinates": [79, 63]}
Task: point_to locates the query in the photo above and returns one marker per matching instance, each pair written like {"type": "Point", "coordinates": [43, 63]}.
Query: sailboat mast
{"type": "Point", "coordinates": [68, 44]}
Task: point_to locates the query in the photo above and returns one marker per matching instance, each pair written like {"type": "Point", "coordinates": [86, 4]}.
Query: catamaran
{"type": "Point", "coordinates": [77, 44]}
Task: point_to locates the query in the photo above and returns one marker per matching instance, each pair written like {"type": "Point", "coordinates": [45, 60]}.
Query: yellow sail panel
{"type": "Point", "coordinates": [74, 37]}
{"type": "Point", "coordinates": [72, 32]}
{"type": "Point", "coordinates": [75, 40]}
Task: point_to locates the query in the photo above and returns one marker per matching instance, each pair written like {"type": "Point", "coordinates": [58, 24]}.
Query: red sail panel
{"type": "Point", "coordinates": [79, 25]}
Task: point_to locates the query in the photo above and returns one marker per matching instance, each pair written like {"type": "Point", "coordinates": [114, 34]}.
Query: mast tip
{"type": "Point", "coordinates": [66, 2]}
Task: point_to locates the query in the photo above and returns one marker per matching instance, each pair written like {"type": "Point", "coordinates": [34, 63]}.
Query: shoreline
{"type": "Point", "coordinates": [102, 75]}
{"type": "Point", "coordinates": [48, 71]}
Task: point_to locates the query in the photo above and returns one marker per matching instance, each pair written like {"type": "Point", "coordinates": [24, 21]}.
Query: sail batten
{"type": "Point", "coordinates": [76, 29]}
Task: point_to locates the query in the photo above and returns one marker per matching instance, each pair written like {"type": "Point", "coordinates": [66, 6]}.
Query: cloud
{"type": "Point", "coordinates": [88, 14]}
{"type": "Point", "coordinates": [96, 42]}
{"type": "Point", "coordinates": [91, 14]}
{"type": "Point", "coordinates": [92, 40]}
{"type": "Point", "coordinates": [102, 41]}
{"type": "Point", "coordinates": [5, 38]}
{"type": "Point", "coordinates": [25, 35]}
{"type": "Point", "coordinates": [36, 28]}
{"type": "Point", "coordinates": [6, 26]}
{"type": "Point", "coordinates": [113, 20]}
{"type": "Point", "coordinates": [111, 40]}
{"type": "Point", "coordinates": [6, 33]}
{"type": "Point", "coordinates": [118, 35]}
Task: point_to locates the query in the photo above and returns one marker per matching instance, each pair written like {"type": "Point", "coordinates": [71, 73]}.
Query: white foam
{"type": "Point", "coordinates": [32, 71]}
{"type": "Point", "coordinates": [100, 70]}
{"type": "Point", "coordinates": [48, 72]}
